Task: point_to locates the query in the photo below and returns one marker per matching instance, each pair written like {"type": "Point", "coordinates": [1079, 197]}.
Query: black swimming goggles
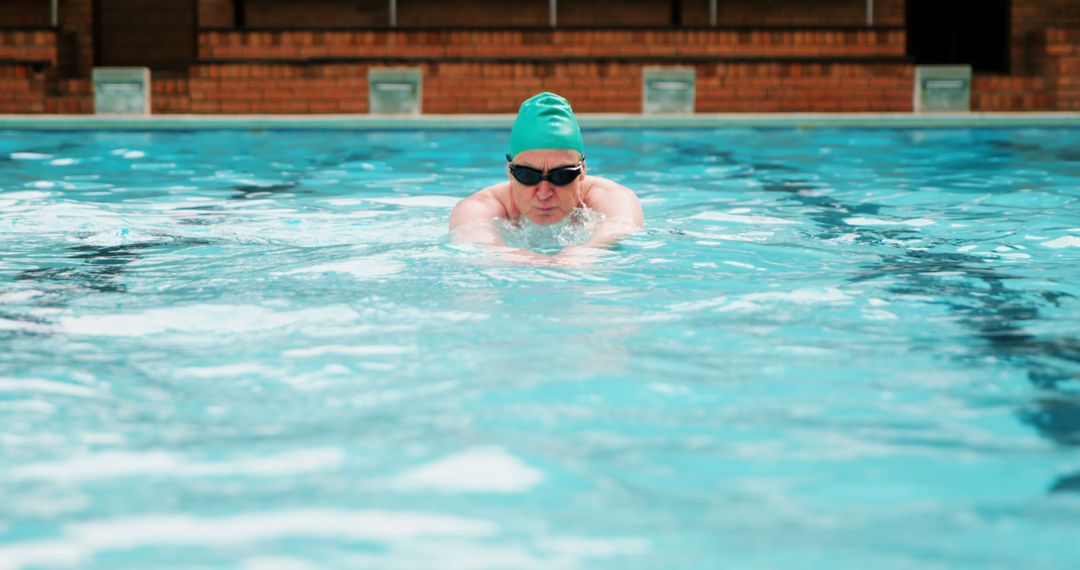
{"type": "Point", "coordinates": [532, 177]}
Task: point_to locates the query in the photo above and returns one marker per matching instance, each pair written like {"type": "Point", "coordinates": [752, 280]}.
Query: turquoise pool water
{"type": "Point", "coordinates": [831, 348]}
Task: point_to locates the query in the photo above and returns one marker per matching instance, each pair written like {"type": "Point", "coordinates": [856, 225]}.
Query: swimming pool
{"type": "Point", "coordinates": [831, 348]}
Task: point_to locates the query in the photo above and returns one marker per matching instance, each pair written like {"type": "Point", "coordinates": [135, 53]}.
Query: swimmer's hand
{"type": "Point", "coordinates": [612, 230]}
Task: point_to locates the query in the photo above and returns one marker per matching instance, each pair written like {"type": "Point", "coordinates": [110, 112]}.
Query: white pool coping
{"type": "Point", "coordinates": [587, 120]}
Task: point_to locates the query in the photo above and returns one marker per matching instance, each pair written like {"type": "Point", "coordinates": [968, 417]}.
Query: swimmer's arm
{"type": "Point", "coordinates": [622, 212]}
{"type": "Point", "coordinates": [623, 216]}
{"type": "Point", "coordinates": [473, 219]}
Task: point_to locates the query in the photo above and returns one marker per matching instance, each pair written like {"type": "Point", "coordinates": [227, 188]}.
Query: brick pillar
{"type": "Point", "coordinates": [1063, 66]}
{"type": "Point", "coordinates": [76, 42]}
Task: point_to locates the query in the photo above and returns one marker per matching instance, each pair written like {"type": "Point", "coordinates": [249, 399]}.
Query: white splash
{"type": "Point", "coordinates": [432, 201]}
{"type": "Point", "coordinates": [24, 326]}
{"type": "Point", "coordinates": [828, 295]}
{"type": "Point", "coordinates": [916, 223]}
{"type": "Point", "coordinates": [228, 370]}
{"type": "Point", "coordinates": [744, 265]}
{"type": "Point", "coordinates": [29, 156]}
{"type": "Point", "coordinates": [361, 268]}
{"type": "Point", "coordinates": [81, 541]}
{"type": "Point", "coordinates": [35, 386]}
{"type": "Point", "coordinates": [575, 229]}
{"type": "Point", "coordinates": [879, 315]}
{"type": "Point", "coordinates": [277, 563]}
{"type": "Point", "coordinates": [360, 350]}
{"type": "Point", "coordinates": [478, 470]}
{"type": "Point", "coordinates": [14, 297]}
{"type": "Point", "coordinates": [201, 318]}
{"type": "Point", "coordinates": [115, 464]}
{"type": "Point", "coordinates": [747, 236]}
{"type": "Point", "coordinates": [1062, 242]}
{"type": "Point", "coordinates": [740, 218]}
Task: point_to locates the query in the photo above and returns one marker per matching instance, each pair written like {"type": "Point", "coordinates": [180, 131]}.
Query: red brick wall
{"type": "Point", "coordinates": [1029, 18]}
{"type": "Point", "coordinates": [24, 13]}
{"type": "Point", "coordinates": [591, 87]}
{"type": "Point", "coordinates": [22, 89]}
{"type": "Point", "coordinates": [603, 79]}
{"type": "Point", "coordinates": [1010, 93]}
{"type": "Point", "coordinates": [782, 87]}
{"type": "Point", "coordinates": [553, 43]}
{"type": "Point", "coordinates": [1063, 66]}
{"type": "Point", "coordinates": [28, 45]}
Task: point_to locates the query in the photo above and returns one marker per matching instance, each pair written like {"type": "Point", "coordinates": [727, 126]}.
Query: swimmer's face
{"type": "Point", "coordinates": [546, 203]}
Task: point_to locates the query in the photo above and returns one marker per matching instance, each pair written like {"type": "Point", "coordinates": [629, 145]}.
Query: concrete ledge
{"type": "Point", "coordinates": [504, 121]}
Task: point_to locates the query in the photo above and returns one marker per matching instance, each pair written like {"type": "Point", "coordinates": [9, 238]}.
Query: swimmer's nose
{"type": "Point", "coordinates": [544, 190]}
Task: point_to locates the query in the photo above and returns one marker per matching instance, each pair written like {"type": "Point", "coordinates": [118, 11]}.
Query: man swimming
{"type": "Point", "coordinates": [546, 180]}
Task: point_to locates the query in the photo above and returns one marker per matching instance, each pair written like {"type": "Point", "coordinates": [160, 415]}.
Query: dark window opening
{"type": "Point", "coordinates": [974, 32]}
{"type": "Point", "coordinates": [145, 33]}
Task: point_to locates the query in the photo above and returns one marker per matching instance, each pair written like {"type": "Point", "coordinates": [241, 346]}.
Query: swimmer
{"type": "Point", "coordinates": [547, 179]}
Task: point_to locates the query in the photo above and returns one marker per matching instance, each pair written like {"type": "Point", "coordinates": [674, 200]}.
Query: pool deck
{"type": "Point", "coordinates": [588, 120]}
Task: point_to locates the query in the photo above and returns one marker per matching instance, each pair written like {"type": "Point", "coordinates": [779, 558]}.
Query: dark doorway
{"type": "Point", "coordinates": [974, 32]}
{"type": "Point", "coordinates": [959, 31]}
{"type": "Point", "coordinates": [159, 34]}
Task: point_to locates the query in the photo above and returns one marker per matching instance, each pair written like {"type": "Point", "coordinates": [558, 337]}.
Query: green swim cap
{"type": "Point", "coordinates": [545, 121]}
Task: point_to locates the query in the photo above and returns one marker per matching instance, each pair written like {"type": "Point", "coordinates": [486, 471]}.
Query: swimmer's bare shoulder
{"type": "Point", "coordinates": [471, 219]}
{"type": "Point", "coordinates": [623, 214]}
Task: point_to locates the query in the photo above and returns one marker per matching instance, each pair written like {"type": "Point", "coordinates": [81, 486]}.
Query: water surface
{"type": "Point", "coordinates": [831, 348]}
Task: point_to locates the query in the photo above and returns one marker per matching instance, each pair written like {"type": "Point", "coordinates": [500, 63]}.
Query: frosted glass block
{"type": "Point", "coordinates": [395, 90]}
{"type": "Point", "coordinates": [942, 88]}
{"type": "Point", "coordinates": [122, 90]}
{"type": "Point", "coordinates": [667, 90]}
